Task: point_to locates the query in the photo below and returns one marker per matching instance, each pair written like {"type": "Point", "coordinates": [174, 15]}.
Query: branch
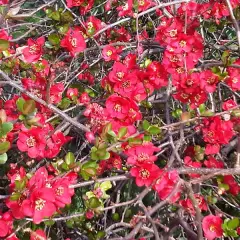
{"type": "Point", "coordinates": [235, 23]}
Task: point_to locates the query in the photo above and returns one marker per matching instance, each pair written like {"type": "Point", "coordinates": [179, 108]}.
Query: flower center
{"type": "Point", "coordinates": [183, 43]}
{"type": "Point", "coordinates": [31, 142]}
{"type": "Point", "coordinates": [117, 107]}
{"type": "Point", "coordinates": [17, 177]}
{"type": "Point", "coordinates": [90, 25]}
{"type": "Point", "coordinates": [60, 191]}
{"type": "Point", "coordinates": [73, 42]}
{"type": "Point", "coordinates": [189, 82]}
{"type": "Point", "coordinates": [141, 2]}
{"type": "Point", "coordinates": [126, 84]}
{"type": "Point", "coordinates": [197, 98]}
{"type": "Point", "coordinates": [210, 134]}
{"type": "Point", "coordinates": [210, 80]}
{"type": "Point", "coordinates": [180, 70]}
{"type": "Point", "coordinates": [125, 7]}
{"type": "Point", "coordinates": [173, 32]}
{"type": "Point", "coordinates": [235, 80]}
{"type": "Point", "coordinates": [212, 228]}
{"type": "Point", "coordinates": [174, 58]}
{"type": "Point", "coordinates": [184, 95]}
{"type": "Point", "coordinates": [109, 53]}
{"type": "Point", "coordinates": [39, 204]}
{"type": "Point", "coordinates": [143, 157]}
{"type": "Point", "coordinates": [120, 74]}
{"type": "Point", "coordinates": [144, 174]}
{"type": "Point", "coordinates": [34, 49]}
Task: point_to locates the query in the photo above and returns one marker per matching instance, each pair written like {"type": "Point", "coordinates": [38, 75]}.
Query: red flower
{"type": "Point", "coordinates": [187, 204]}
{"type": "Point", "coordinates": [40, 204]}
{"type": "Point", "coordinates": [38, 235]}
{"type": "Point", "coordinates": [229, 104]}
{"type": "Point", "coordinates": [93, 25]}
{"type": "Point", "coordinates": [130, 87]}
{"type": "Point", "coordinates": [74, 3]}
{"type": "Point", "coordinates": [126, 10]}
{"type": "Point", "coordinates": [165, 185]}
{"type": "Point", "coordinates": [34, 50]}
{"type": "Point", "coordinates": [117, 107]}
{"type": "Point", "coordinates": [90, 137]}
{"type": "Point", "coordinates": [190, 163]}
{"type": "Point", "coordinates": [216, 131]}
{"type": "Point", "coordinates": [145, 174]}
{"type": "Point", "coordinates": [208, 81]}
{"type": "Point", "coordinates": [233, 79]}
{"type": "Point", "coordinates": [74, 42]}
{"type": "Point", "coordinates": [234, 188]}
{"type": "Point", "coordinates": [110, 53]}
{"type": "Point", "coordinates": [144, 5]}
{"type": "Point", "coordinates": [32, 141]}
{"type": "Point", "coordinates": [3, 2]}
{"type": "Point", "coordinates": [89, 214]}
{"type": "Point", "coordinates": [3, 34]}
{"type": "Point", "coordinates": [86, 6]}
{"type": "Point", "coordinates": [15, 207]}
{"type": "Point", "coordinates": [4, 229]}
{"type": "Point", "coordinates": [212, 227]}
{"type": "Point", "coordinates": [141, 154]}
{"type": "Point", "coordinates": [54, 144]}
{"type": "Point", "coordinates": [72, 93]}
{"type": "Point", "coordinates": [56, 91]}
{"type": "Point", "coordinates": [213, 163]}
{"type": "Point", "coordinates": [63, 193]}
{"type": "Point", "coordinates": [84, 98]}
{"type": "Point", "coordinates": [118, 72]}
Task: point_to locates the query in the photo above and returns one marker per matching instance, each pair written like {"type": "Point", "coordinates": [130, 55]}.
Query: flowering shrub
{"type": "Point", "coordinates": [119, 119]}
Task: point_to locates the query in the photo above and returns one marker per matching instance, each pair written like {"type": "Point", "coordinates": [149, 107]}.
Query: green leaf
{"type": "Point", "coordinates": [4, 146]}
{"type": "Point", "coordinates": [55, 16]}
{"type": "Point", "coordinates": [15, 196]}
{"type": "Point", "coordinates": [4, 44]}
{"type": "Point", "coordinates": [147, 138]}
{"type": "Point", "coordinates": [20, 102]}
{"type": "Point", "coordinates": [20, 185]}
{"type": "Point", "coordinates": [88, 164]}
{"type": "Point", "coordinates": [86, 173]}
{"type": "Point", "coordinates": [122, 132]}
{"type": "Point", "coordinates": [202, 108]}
{"type": "Point", "coordinates": [29, 107]}
{"type": "Point", "coordinates": [65, 103]}
{"type": "Point", "coordinates": [105, 186]}
{"type": "Point", "coordinates": [207, 113]}
{"type": "Point", "coordinates": [69, 158]}
{"type": "Point", "coordinates": [134, 141]}
{"type": "Point", "coordinates": [223, 186]}
{"type": "Point", "coordinates": [94, 202]}
{"type": "Point", "coordinates": [5, 128]}
{"type": "Point", "coordinates": [64, 166]}
{"type": "Point", "coordinates": [63, 29]}
{"type": "Point", "coordinates": [3, 158]}
{"type": "Point", "coordinates": [49, 45]}
{"type": "Point", "coordinates": [145, 125]}
{"type": "Point", "coordinates": [225, 57]}
{"type": "Point", "coordinates": [54, 39]}
{"type": "Point", "coordinates": [233, 223]}
{"type": "Point", "coordinates": [154, 130]}
{"type": "Point", "coordinates": [104, 156]}
{"type": "Point", "coordinates": [212, 28]}
{"type": "Point", "coordinates": [49, 222]}
{"type": "Point", "coordinates": [67, 17]}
